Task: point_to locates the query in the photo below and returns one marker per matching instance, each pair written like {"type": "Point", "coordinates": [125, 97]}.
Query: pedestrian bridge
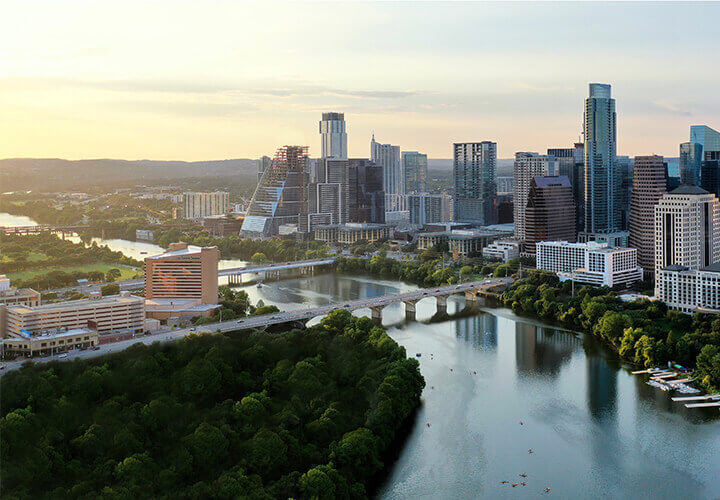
{"type": "Point", "coordinates": [234, 273]}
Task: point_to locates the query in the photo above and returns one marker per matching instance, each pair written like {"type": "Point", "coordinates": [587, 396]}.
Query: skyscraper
{"type": "Point", "coordinates": [687, 228]}
{"type": "Point", "coordinates": [527, 166]}
{"type": "Point", "coordinates": [366, 198]}
{"type": "Point", "coordinates": [648, 187]}
{"type": "Point", "coordinates": [571, 163]}
{"type": "Point", "coordinates": [262, 163]}
{"type": "Point", "coordinates": [414, 166]}
{"type": "Point", "coordinates": [709, 138]}
{"type": "Point", "coordinates": [691, 158]}
{"type": "Point", "coordinates": [474, 178]}
{"type": "Point", "coordinates": [281, 196]}
{"type": "Point", "coordinates": [549, 212]}
{"type": "Point", "coordinates": [333, 136]}
{"type": "Point", "coordinates": [328, 194]}
{"type": "Point", "coordinates": [602, 181]}
{"type": "Point", "coordinates": [388, 157]}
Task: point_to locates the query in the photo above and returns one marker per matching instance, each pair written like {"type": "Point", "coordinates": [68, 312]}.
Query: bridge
{"type": "Point", "coordinates": [41, 228]}
{"type": "Point", "coordinates": [234, 274]}
{"type": "Point", "coordinates": [472, 291]}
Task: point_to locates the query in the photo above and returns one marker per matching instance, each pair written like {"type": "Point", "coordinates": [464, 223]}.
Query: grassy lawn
{"type": "Point", "coordinates": [127, 272]}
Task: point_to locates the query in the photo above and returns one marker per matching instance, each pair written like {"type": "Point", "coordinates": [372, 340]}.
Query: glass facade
{"type": "Point", "coordinates": [602, 179]}
{"type": "Point", "coordinates": [475, 182]}
{"type": "Point", "coordinates": [414, 171]}
{"type": "Point", "coordinates": [691, 163]}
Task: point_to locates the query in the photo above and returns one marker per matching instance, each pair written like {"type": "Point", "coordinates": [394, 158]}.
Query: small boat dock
{"type": "Point", "coordinates": [663, 379]}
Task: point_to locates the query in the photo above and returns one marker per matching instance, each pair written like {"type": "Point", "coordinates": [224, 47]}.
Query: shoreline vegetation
{"type": "Point", "coordinates": [304, 414]}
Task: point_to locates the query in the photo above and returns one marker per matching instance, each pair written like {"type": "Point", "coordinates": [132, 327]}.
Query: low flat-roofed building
{"type": "Point", "coordinates": [592, 263]}
{"type": "Point", "coordinates": [49, 343]}
{"type": "Point", "coordinates": [503, 250]}
{"type": "Point", "coordinates": [14, 296]}
{"type": "Point", "coordinates": [352, 232]}
{"type": "Point", "coordinates": [105, 314]}
{"type": "Point", "coordinates": [689, 290]}
{"type": "Point", "coordinates": [466, 242]}
{"type": "Point", "coordinates": [431, 239]}
{"type": "Point", "coordinates": [164, 309]}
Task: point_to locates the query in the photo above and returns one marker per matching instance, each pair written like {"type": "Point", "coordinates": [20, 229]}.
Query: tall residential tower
{"type": "Point", "coordinates": [333, 136]}
{"type": "Point", "coordinates": [474, 177]}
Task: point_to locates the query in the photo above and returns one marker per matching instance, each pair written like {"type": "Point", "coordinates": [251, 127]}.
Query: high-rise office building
{"type": "Point", "coordinates": [691, 159]}
{"type": "Point", "coordinates": [649, 185]}
{"type": "Point", "coordinates": [625, 171]}
{"type": "Point", "coordinates": [281, 196]}
{"type": "Point", "coordinates": [687, 228]}
{"type": "Point", "coordinates": [414, 166]}
{"type": "Point", "coordinates": [366, 196]}
{"type": "Point", "coordinates": [333, 136]}
{"type": "Point", "coordinates": [707, 137]}
{"type": "Point", "coordinates": [328, 195]}
{"type": "Point", "coordinates": [199, 205]}
{"type": "Point", "coordinates": [427, 208]}
{"type": "Point", "coordinates": [602, 180]}
{"type": "Point", "coordinates": [570, 162]}
{"type": "Point", "coordinates": [710, 172]}
{"type": "Point", "coordinates": [549, 212]}
{"type": "Point", "coordinates": [388, 157]}
{"type": "Point", "coordinates": [474, 179]}
{"type": "Point", "coordinates": [263, 163]}
{"type": "Point", "coordinates": [527, 166]}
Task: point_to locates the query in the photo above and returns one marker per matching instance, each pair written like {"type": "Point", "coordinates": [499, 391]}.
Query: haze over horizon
{"type": "Point", "coordinates": [203, 81]}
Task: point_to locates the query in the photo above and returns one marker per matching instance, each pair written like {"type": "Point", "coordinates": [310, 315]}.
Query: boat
{"type": "Point", "coordinates": [259, 285]}
{"type": "Point", "coordinates": [143, 253]}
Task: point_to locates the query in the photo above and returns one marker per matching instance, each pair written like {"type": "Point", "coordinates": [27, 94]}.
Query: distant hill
{"type": "Point", "coordinates": [52, 174]}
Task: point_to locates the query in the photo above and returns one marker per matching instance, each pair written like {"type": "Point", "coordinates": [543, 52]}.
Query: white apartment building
{"type": "Point", "coordinates": [504, 250]}
{"type": "Point", "coordinates": [527, 166]}
{"type": "Point", "coordinates": [592, 263]}
{"type": "Point", "coordinates": [199, 205]}
{"type": "Point", "coordinates": [690, 290]}
{"type": "Point", "coordinates": [104, 314]}
{"type": "Point", "coordinates": [687, 228]}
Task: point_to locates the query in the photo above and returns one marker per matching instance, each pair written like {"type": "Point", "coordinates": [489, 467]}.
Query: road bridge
{"type": "Point", "coordinates": [235, 274]}
{"type": "Point", "coordinates": [41, 228]}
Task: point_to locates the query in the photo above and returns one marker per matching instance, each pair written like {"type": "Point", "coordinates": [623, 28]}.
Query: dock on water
{"type": "Point", "coordinates": [702, 405]}
{"type": "Point", "coordinates": [712, 397]}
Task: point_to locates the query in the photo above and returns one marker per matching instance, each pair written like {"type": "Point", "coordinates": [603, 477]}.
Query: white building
{"type": "Point", "coordinates": [526, 167]}
{"type": "Point", "coordinates": [333, 136]}
{"type": "Point", "coordinates": [503, 250]}
{"type": "Point", "coordinates": [199, 205]}
{"type": "Point", "coordinates": [428, 208]}
{"type": "Point", "coordinates": [593, 263]}
{"type": "Point", "coordinates": [689, 290]}
{"type": "Point", "coordinates": [687, 228]}
{"type": "Point", "coordinates": [388, 157]}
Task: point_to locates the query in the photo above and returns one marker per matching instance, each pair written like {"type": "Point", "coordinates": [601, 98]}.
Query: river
{"type": "Point", "coordinates": [596, 431]}
{"type": "Point", "coordinates": [134, 249]}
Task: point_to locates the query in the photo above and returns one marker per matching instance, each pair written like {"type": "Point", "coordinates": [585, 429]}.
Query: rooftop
{"type": "Point", "coordinates": [70, 304]}
{"type": "Point", "coordinates": [686, 189]}
{"type": "Point", "coordinates": [178, 250]}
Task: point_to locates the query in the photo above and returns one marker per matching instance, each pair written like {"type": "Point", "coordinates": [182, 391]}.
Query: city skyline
{"type": "Point", "coordinates": [250, 79]}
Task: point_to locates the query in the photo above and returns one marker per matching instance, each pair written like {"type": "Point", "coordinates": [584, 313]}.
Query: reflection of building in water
{"type": "Point", "coordinates": [479, 330]}
{"type": "Point", "coordinates": [602, 385]}
{"type": "Point", "coordinates": [542, 350]}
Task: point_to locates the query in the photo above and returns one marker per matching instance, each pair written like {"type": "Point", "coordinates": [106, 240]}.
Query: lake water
{"type": "Point", "coordinates": [135, 249]}
{"type": "Point", "coordinates": [596, 431]}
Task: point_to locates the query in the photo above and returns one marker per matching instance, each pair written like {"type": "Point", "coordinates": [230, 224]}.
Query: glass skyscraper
{"type": "Point", "coordinates": [691, 155]}
{"type": "Point", "coordinates": [706, 136]}
{"type": "Point", "coordinates": [602, 179]}
{"type": "Point", "coordinates": [414, 171]}
{"type": "Point", "coordinates": [474, 177]}
{"type": "Point", "coordinates": [333, 137]}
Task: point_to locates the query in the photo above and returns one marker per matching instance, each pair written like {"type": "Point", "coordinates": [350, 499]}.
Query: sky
{"type": "Point", "coordinates": [201, 80]}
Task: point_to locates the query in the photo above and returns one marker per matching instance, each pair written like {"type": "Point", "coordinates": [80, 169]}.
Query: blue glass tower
{"type": "Point", "coordinates": [602, 180]}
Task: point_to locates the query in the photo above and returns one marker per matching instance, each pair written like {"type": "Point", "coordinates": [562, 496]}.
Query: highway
{"type": "Point", "coordinates": [274, 319]}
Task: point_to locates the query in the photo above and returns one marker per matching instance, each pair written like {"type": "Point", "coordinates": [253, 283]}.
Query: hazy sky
{"type": "Point", "coordinates": [210, 80]}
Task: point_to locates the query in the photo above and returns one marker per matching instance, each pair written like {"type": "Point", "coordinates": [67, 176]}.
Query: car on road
{"type": "Point", "coordinates": [192, 329]}
{"type": "Point", "coordinates": [96, 348]}
{"type": "Point", "coordinates": [63, 355]}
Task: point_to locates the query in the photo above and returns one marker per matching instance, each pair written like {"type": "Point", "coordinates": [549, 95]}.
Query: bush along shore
{"type": "Point", "coordinates": [300, 414]}
{"type": "Point", "coordinates": [643, 332]}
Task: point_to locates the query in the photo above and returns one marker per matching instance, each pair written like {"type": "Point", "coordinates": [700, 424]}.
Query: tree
{"type": "Point", "coordinates": [112, 275]}
{"type": "Point", "coordinates": [259, 258]}
{"type": "Point", "coordinates": [110, 289]}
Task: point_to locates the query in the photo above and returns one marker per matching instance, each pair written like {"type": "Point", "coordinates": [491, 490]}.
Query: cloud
{"type": "Point", "coordinates": [672, 108]}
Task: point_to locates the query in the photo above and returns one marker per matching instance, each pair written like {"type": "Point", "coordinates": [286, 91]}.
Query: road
{"type": "Point", "coordinates": [274, 319]}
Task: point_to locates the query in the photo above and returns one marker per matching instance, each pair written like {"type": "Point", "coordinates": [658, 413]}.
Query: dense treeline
{"type": "Point", "coordinates": [425, 272]}
{"type": "Point", "coordinates": [235, 304]}
{"type": "Point", "coordinates": [41, 211]}
{"type": "Point", "coordinates": [644, 332]}
{"type": "Point", "coordinates": [302, 414]}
